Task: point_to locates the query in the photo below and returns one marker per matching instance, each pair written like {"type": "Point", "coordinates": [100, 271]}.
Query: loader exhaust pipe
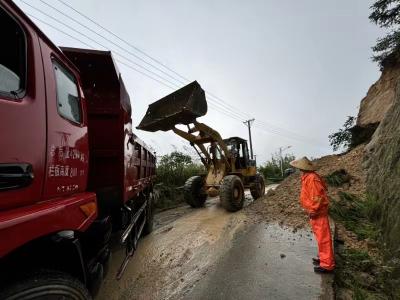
{"type": "Point", "coordinates": [180, 107]}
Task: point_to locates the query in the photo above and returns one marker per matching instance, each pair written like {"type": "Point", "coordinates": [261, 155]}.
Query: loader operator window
{"type": "Point", "coordinates": [12, 56]}
{"type": "Point", "coordinates": [68, 103]}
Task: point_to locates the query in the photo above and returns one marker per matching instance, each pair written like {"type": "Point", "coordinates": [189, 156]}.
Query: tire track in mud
{"type": "Point", "coordinates": [175, 256]}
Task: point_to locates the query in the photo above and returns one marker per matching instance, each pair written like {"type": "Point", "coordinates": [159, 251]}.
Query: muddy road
{"type": "Point", "coordinates": [209, 253]}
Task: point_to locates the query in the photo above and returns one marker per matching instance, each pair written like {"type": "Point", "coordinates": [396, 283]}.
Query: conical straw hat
{"type": "Point", "coordinates": [304, 164]}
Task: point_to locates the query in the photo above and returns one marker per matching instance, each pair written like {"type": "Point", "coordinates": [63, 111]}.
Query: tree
{"type": "Point", "coordinates": [175, 160]}
{"type": "Point", "coordinates": [272, 168]}
{"type": "Point", "coordinates": [343, 138]}
{"type": "Point", "coordinates": [386, 14]}
{"type": "Point", "coordinates": [175, 168]}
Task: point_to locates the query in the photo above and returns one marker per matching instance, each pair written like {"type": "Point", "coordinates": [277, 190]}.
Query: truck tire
{"type": "Point", "coordinates": [194, 192]}
{"type": "Point", "coordinates": [46, 284]}
{"type": "Point", "coordinates": [232, 193]}
{"type": "Point", "coordinates": [257, 189]}
{"type": "Point", "coordinates": [148, 226]}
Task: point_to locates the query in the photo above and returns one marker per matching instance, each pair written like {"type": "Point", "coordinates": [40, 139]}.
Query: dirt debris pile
{"type": "Point", "coordinates": [282, 205]}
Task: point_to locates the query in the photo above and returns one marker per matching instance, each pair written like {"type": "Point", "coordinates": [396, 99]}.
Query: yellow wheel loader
{"type": "Point", "coordinates": [229, 168]}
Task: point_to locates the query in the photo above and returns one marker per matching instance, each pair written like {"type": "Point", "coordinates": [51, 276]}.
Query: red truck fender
{"type": "Point", "coordinates": [21, 225]}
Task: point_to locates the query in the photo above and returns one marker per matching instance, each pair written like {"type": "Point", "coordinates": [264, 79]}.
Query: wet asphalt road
{"type": "Point", "coordinates": [209, 253]}
{"type": "Point", "coordinates": [265, 262]}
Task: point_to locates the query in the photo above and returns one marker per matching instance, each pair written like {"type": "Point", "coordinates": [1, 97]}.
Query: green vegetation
{"type": "Point", "coordinates": [357, 215]}
{"type": "Point", "coordinates": [337, 178]}
{"type": "Point", "coordinates": [365, 276]}
{"type": "Point", "coordinates": [175, 168]}
{"type": "Point", "coordinates": [343, 138]}
{"type": "Point", "coordinates": [358, 272]}
{"type": "Point", "coordinates": [385, 14]}
{"type": "Point", "coordinates": [271, 170]}
{"type": "Point", "coordinates": [172, 172]}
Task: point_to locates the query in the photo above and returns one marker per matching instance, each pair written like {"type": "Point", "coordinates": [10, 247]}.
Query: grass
{"type": "Point", "coordinates": [168, 197]}
{"type": "Point", "coordinates": [356, 269]}
{"type": "Point", "coordinates": [352, 267]}
{"type": "Point", "coordinates": [357, 215]}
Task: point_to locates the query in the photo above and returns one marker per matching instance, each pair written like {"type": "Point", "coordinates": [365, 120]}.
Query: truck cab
{"type": "Point", "coordinates": [71, 169]}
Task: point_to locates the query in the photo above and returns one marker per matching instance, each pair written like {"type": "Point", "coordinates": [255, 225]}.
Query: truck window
{"type": "Point", "coordinates": [12, 56]}
{"type": "Point", "coordinates": [68, 103]}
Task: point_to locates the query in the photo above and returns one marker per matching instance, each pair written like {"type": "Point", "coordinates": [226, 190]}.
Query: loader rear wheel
{"type": "Point", "coordinates": [46, 284]}
{"type": "Point", "coordinates": [257, 189]}
{"type": "Point", "coordinates": [194, 192]}
{"type": "Point", "coordinates": [232, 193]}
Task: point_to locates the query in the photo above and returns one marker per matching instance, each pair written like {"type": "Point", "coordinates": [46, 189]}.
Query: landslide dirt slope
{"type": "Point", "coordinates": [282, 204]}
{"type": "Point", "coordinates": [380, 96]}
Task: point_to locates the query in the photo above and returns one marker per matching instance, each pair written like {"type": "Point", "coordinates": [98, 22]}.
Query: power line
{"type": "Point", "coordinates": [230, 114]}
{"type": "Point", "coordinates": [95, 41]}
{"type": "Point", "coordinates": [91, 47]}
{"type": "Point", "coordinates": [271, 131]}
{"type": "Point", "coordinates": [122, 40]}
{"type": "Point", "coordinates": [219, 104]}
{"type": "Point", "coordinates": [107, 39]}
{"type": "Point", "coordinates": [285, 131]}
{"type": "Point", "coordinates": [216, 105]}
{"type": "Point", "coordinates": [233, 116]}
{"type": "Point", "coordinates": [225, 104]}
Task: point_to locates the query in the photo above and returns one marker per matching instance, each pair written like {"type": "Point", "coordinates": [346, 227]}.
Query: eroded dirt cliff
{"type": "Point", "coordinates": [380, 96]}
{"type": "Point", "coordinates": [382, 163]}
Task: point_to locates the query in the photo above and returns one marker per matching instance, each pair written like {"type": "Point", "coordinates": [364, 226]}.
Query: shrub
{"type": "Point", "coordinates": [172, 172]}
{"type": "Point", "coordinates": [337, 178]}
{"type": "Point", "coordinates": [343, 138]}
{"type": "Point", "coordinates": [175, 168]}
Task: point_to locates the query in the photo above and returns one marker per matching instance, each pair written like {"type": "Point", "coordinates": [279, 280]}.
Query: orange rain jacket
{"type": "Point", "coordinates": [314, 200]}
{"type": "Point", "coordinates": [313, 196]}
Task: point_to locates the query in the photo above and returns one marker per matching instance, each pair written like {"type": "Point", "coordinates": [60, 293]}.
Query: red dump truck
{"type": "Point", "coordinates": [72, 172]}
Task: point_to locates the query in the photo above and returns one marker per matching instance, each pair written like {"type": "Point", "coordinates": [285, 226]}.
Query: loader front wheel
{"type": "Point", "coordinates": [232, 193]}
{"type": "Point", "coordinates": [257, 189]}
{"type": "Point", "coordinates": [194, 192]}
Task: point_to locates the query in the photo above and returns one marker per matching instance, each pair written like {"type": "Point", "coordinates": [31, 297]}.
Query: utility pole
{"type": "Point", "coordinates": [248, 124]}
{"type": "Point", "coordinates": [281, 149]}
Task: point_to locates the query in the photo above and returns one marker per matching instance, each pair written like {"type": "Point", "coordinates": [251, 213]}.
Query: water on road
{"type": "Point", "coordinates": [209, 253]}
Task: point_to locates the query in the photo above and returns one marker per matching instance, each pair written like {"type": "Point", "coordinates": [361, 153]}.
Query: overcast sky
{"type": "Point", "coordinates": [298, 67]}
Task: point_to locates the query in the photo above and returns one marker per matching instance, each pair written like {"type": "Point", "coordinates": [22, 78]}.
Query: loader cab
{"type": "Point", "coordinates": [240, 151]}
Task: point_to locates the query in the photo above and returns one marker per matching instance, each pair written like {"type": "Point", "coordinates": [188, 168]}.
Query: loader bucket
{"type": "Point", "coordinates": [181, 107]}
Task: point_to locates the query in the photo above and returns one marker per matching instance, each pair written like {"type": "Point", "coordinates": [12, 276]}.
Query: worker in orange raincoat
{"type": "Point", "coordinates": [314, 200]}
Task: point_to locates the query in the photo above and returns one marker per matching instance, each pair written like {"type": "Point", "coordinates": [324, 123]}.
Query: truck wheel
{"type": "Point", "coordinates": [46, 285]}
{"type": "Point", "coordinates": [232, 193]}
{"type": "Point", "coordinates": [148, 226]}
{"type": "Point", "coordinates": [257, 189]}
{"type": "Point", "coordinates": [194, 192]}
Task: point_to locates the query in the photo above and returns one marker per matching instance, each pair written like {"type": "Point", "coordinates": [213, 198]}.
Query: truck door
{"type": "Point", "coordinates": [67, 135]}
{"type": "Point", "coordinates": [22, 112]}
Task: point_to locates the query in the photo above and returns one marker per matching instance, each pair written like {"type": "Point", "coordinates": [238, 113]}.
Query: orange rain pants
{"type": "Point", "coordinates": [314, 200]}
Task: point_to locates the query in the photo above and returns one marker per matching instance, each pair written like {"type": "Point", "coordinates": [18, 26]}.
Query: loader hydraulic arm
{"type": "Point", "coordinates": [183, 107]}
{"type": "Point", "coordinates": [205, 135]}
